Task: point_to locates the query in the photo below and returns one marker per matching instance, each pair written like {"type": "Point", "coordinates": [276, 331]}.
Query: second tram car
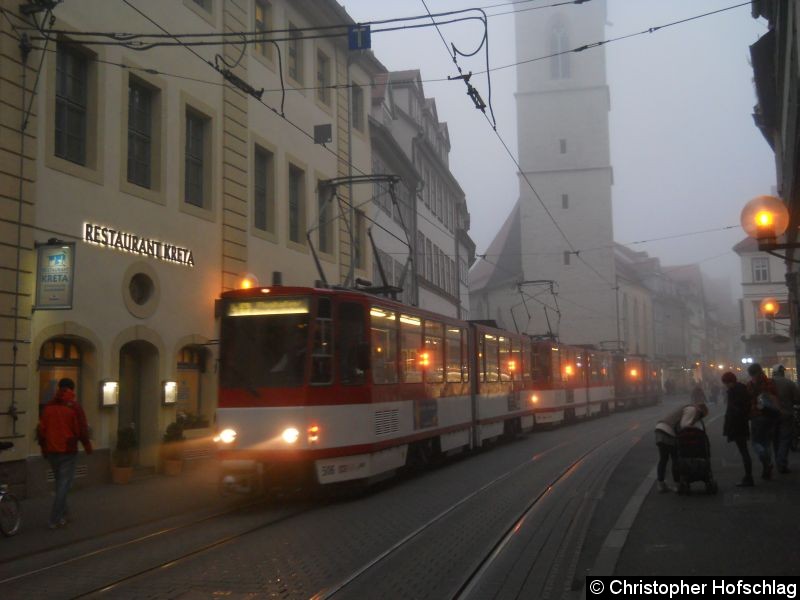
{"type": "Point", "coordinates": [324, 386]}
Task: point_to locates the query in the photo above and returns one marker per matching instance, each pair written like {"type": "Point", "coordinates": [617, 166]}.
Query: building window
{"type": "Point", "coordinates": [263, 24]}
{"type": "Point", "coordinates": [295, 59]}
{"type": "Point", "coordinates": [360, 240]}
{"type": "Point", "coordinates": [196, 140]}
{"type": "Point", "coordinates": [325, 220]}
{"type": "Point", "coordinates": [559, 45]}
{"type": "Point", "coordinates": [358, 107]}
{"type": "Point", "coordinates": [420, 253]}
{"type": "Point", "coordinates": [323, 78]}
{"type": "Point", "coordinates": [140, 127]}
{"type": "Point", "coordinates": [296, 204]}
{"type": "Point", "coordinates": [429, 260]}
{"type": "Point", "coordinates": [563, 146]}
{"type": "Point", "coordinates": [72, 83]}
{"type": "Point", "coordinates": [760, 270]}
{"type": "Point", "coordinates": [204, 4]}
{"type": "Point", "coordinates": [566, 256]}
{"type": "Point", "coordinates": [565, 201]}
{"type": "Point", "coordinates": [263, 185]}
{"type": "Point", "coordinates": [58, 358]}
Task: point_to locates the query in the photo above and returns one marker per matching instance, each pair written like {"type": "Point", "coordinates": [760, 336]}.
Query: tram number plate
{"type": "Point", "coordinates": [342, 469]}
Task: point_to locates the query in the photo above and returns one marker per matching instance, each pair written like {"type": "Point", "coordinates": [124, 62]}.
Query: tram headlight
{"type": "Point", "coordinates": [226, 436]}
{"type": "Point", "coordinates": [290, 435]}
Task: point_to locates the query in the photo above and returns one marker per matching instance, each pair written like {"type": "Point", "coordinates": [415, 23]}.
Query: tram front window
{"type": "Point", "coordinates": [264, 343]}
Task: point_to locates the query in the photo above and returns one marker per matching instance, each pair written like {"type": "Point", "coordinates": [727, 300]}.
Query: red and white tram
{"type": "Point", "coordinates": [327, 385]}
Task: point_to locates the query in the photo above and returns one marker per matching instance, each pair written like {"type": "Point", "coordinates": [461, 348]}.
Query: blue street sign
{"type": "Point", "coordinates": [359, 37]}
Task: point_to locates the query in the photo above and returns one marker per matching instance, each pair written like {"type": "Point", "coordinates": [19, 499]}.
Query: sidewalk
{"type": "Point", "coordinates": [102, 509]}
{"type": "Point", "coordinates": [738, 531]}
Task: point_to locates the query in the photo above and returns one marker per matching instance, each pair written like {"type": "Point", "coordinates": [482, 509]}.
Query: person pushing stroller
{"type": "Point", "coordinates": [686, 417]}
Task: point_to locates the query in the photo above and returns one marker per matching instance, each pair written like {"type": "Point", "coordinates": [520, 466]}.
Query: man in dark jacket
{"type": "Point", "coordinates": [737, 418]}
{"type": "Point", "coordinates": [763, 416]}
{"type": "Point", "coordinates": [788, 397]}
{"type": "Point", "coordinates": [61, 425]}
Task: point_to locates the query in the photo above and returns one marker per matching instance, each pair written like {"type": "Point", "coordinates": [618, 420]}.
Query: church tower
{"type": "Point", "coordinates": [562, 123]}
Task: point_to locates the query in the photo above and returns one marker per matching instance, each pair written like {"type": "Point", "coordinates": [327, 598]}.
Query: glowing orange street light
{"type": "Point", "coordinates": [569, 370]}
{"type": "Point", "coordinates": [769, 307]}
{"type": "Point", "coordinates": [765, 218]}
{"type": "Point", "coordinates": [634, 373]}
{"type": "Point", "coordinates": [512, 365]}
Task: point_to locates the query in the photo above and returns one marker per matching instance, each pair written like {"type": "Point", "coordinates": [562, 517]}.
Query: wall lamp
{"type": "Point", "coordinates": [109, 393]}
{"type": "Point", "coordinates": [169, 392]}
{"type": "Point", "coordinates": [766, 218]}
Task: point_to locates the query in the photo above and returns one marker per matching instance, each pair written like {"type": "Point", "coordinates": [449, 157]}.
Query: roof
{"type": "Point", "coordinates": [503, 256]}
{"type": "Point", "coordinates": [748, 244]}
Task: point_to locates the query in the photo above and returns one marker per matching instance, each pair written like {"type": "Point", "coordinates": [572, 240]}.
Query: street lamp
{"type": "Point", "coordinates": [769, 307]}
{"type": "Point", "coordinates": [766, 218]}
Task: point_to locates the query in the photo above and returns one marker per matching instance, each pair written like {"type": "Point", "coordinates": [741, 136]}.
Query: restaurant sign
{"type": "Point", "coordinates": [130, 242]}
{"type": "Point", "coordinates": [55, 274]}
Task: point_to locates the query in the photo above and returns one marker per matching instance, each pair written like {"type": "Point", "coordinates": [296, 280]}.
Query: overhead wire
{"type": "Point", "coordinates": [436, 24]}
{"type": "Point", "coordinates": [289, 121]}
{"type": "Point", "coordinates": [424, 80]}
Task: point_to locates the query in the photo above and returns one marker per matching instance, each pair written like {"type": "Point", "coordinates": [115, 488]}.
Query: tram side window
{"type": "Point", "coordinates": [525, 366]}
{"type": "Point", "coordinates": [514, 364]}
{"type": "Point", "coordinates": [579, 367]}
{"type": "Point", "coordinates": [453, 361]}
{"type": "Point", "coordinates": [322, 354]}
{"type": "Point", "coordinates": [410, 342]}
{"type": "Point", "coordinates": [490, 367]}
{"type": "Point", "coordinates": [599, 366]}
{"type": "Point", "coordinates": [504, 346]}
{"type": "Point", "coordinates": [384, 345]}
{"type": "Point", "coordinates": [351, 338]}
{"type": "Point", "coordinates": [568, 366]}
{"type": "Point", "coordinates": [434, 347]}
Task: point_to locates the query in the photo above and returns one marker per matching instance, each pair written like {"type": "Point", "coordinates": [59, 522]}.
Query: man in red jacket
{"type": "Point", "coordinates": [61, 425]}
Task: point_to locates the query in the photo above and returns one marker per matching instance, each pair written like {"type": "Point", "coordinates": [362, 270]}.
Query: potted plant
{"type": "Point", "coordinates": [172, 449]}
{"type": "Point", "coordinates": [122, 457]}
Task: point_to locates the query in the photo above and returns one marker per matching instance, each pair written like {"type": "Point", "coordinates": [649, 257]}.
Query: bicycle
{"type": "Point", "coordinates": [10, 511]}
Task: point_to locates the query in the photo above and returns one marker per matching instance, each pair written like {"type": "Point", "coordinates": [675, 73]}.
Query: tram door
{"type": "Point", "coordinates": [351, 343]}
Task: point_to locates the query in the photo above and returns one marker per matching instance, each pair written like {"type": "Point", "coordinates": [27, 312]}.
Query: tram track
{"type": "Point", "coordinates": [122, 583]}
{"type": "Point", "coordinates": [151, 537]}
{"type": "Point", "coordinates": [471, 581]}
{"type": "Point", "coordinates": [111, 586]}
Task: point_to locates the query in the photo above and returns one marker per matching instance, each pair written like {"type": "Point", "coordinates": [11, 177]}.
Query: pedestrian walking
{"type": "Point", "coordinates": [763, 416]}
{"type": "Point", "coordinates": [788, 398]}
{"type": "Point", "coordinates": [61, 425]}
{"type": "Point", "coordinates": [666, 431]}
{"type": "Point", "coordinates": [737, 423]}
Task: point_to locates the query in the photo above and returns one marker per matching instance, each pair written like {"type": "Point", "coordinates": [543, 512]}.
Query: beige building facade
{"type": "Point", "coordinates": [145, 185]}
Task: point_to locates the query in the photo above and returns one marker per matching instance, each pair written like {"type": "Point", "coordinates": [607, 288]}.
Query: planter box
{"type": "Point", "coordinates": [173, 467]}
{"type": "Point", "coordinates": [121, 475]}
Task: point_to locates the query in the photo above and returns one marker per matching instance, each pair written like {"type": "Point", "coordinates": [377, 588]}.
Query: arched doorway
{"type": "Point", "coordinates": [140, 396]}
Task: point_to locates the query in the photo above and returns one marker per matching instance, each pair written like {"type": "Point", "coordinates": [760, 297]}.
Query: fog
{"type": "Point", "coordinates": [685, 152]}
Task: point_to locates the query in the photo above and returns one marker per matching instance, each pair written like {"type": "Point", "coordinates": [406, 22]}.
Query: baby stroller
{"type": "Point", "coordinates": [694, 459]}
